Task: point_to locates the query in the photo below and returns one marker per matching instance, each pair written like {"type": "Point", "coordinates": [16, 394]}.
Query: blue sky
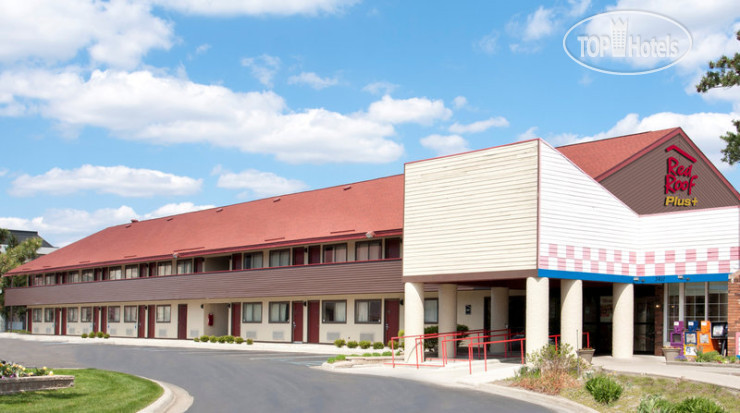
{"type": "Point", "coordinates": [137, 109]}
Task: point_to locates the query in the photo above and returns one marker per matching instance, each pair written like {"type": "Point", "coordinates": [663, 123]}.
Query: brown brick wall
{"type": "Point", "coordinates": [658, 320]}
{"type": "Point", "coordinates": [733, 314]}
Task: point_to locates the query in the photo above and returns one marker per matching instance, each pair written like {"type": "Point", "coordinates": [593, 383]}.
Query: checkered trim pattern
{"type": "Point", "coordinates": [638, 263]}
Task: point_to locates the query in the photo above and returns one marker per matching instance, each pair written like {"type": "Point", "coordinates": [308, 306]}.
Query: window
{"type": "Point", "coordinates": [253, 260]}
{"type": "Point", "coordinates": [88, 275]}
{"type": "Point", "coordinates": [51, 279]}
{"type": "Point", "coordinates": [72, 315]}
{"type": "Point", "coordinates": [164, 268]}
{"type": "Point", "coordinates": [38, 280]}
{"type": "Point", "coordinates": [129, 314]}
{"type": "Point", "coordinates": [334, 312]}
{"type": "Point", "coordinates": [368, 311]}
{"type": "Point", "coordinates": [115, 273]}
{"type": "Point", "coordinates": [86, 314]}
{"type": "Point", "coordinates": [185, 266]}
{"type": "Point", "coordinates": [37, 315]}
{"type": "Point", "coordinates": [279, 313]}
{"type": "Point", "coordinates": [114, 314]}
{"type": "Point", "coordinates": [717, 302]}
{"type": "Point", "coordinates": [335, 253]}
{"type": "Point", "coordinates": [430, 311]}
{"type": "Point", "coordinates": [132, 271]}
{"type": "Point", "coordinates": [73, 277]}
{"type": "Point", "coordinates": [252, 313]}
{"type": "Point", "coordinates": [163, 313]}
{"type": "Point", "coordinates": [694, 300]}
{"type": "Point", "coordinates": [279, 258]}
{"type": "Point", "coordinates": [48, 315]}
{"type": "Point", "coordinates": [368, 250]}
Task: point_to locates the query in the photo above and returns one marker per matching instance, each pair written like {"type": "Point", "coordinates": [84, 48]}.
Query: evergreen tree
{"type": "Point", "coordinates": [15, 254]}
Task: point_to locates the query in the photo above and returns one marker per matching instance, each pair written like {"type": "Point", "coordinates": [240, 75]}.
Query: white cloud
{"type": "Point", "coordinates": [459, 102]}
{"type": "Point", "coordinates": [168, 110]}
{"type": "Point", "coordinates": [380, 88]}
{"type": "Point", "coordinates": [539, 24]}
{"type": "Point", "coordinates": [3, 172]}
{"type": "Point", "coordinates": [414, 110]}
{"type": "Point", "coordinates": [704, 129]}
{"type": "Point", "coordinates": [530, 133]}
{"type": "Point", "coordinates": [542, 23]}
{"type": "Point", "coordinates": [313, 80]}
{"type": "Point", "coordinates": [578, 7]}
{"type": "Point", "coordinates": [479, 126]}
{"type": "Point", "coordinates": [64, 226]}
{"type": "Point", "coordinates": [117, 33]}
{"type": "Point", "coordinates": [489, 43]}
{"type": "Point", "coordinates": [202, 48]}
{"type": "Point", "coordinates": [445, 145]}
{"type": "Point", "coordinates": [263, 67]}
{"type": "Point", "coordinates": [257, 7]}
{"type": "Point", "coordinates": [261, 184]}
{"type": "Point", "coordinates": [117, 180]}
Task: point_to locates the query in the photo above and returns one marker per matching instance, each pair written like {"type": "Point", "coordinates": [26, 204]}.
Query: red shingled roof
{"type": "Point", "coordinates": [601, 158]}
{"type": "Point", "coordinates": [340, 212]}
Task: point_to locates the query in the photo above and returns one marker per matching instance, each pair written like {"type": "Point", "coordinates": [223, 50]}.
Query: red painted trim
{"type": "Point", "coordinates": [681, 151]}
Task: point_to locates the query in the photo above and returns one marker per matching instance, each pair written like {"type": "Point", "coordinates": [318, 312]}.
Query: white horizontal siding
{"type": "Point", "coordinates": [472, 212]}
{"type": "Point", "coordinates": [577, 211]}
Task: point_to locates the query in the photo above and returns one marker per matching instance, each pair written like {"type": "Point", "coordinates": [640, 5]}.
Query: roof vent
{"type": "Point", "coordinates": [348, 187]}
{"type": "Point", "coordinates": [134, 220]}
{"type": "Point", "coordinates": [170, 219]}
{"type": "Point", "coordinates": [219, 210]}
{"type": "Point", "coordinates": [276, 199]}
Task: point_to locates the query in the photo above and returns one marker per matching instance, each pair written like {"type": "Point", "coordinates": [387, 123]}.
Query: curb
{"type": "Point", "coordinates": [174, 399]}
{"type": "Point", "coordinates": [555, 403]}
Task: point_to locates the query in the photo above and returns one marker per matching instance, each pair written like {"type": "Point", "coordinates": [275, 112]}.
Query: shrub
{"type": "Point", "coordinates": [366, 355]}
{"type": "Point", "coordinates": [697, 405]}
{"type": "Point", "coordinates": [710, 357]}
{"type": "Point", "coordinates": [101, 334]}
{"type": "Point", "coordinates": [352, 344]}
{"type": "Point", "coordinates": [204, 338]}
{"type": "Point", "coordinates": [364, 344]}
{"type": "Point", "coordinates": [431, 343]}
{"type": "Point", "coordinates": [604, 389]}
{"type": "Point", "coordinates": [84, 335]}
{"type": "Point", "coordinates": [196, 339]}
{"type": "Point", "coordinates": [339, 342]}
{"type": "Point", "coordinates": [341, 357]}
{"type": "Point", "coordinates": [654, 404]}
{"type": "Point", "coordinates": [250, 341]}
{"type": "Point", "coordinates": [331, 360]}
{"type": "Point", "coordinates": [238, 340]}
{"type": "Point", "coordinates": [230, 339]}
{"type": "Point", "coordinates": [106, 335]}
{"type": "Point", "coordinates": [393, 344]}
{"type": "Point", "coordinates": [376, 354]}
{"type": "Point", "coordinates": [221, 340]}
{"type": "Point", "coordinates": [553, 369]}
{"type": "Point", "coordinates": [378, 345]}
{"type": "Point", "coordinates": [213, 339]}
{"type": "Point", "coordinates": [387, 353]}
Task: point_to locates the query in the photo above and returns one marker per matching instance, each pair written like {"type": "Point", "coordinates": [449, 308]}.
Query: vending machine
{"type": "Point", "coordinates": [705, 337]}
{"type": "Point", "coordinates": [690, 338]}
{"type": "Point", "coordinates": [676, 336]}
{"type": "Point", "coordinates": [719, 336]}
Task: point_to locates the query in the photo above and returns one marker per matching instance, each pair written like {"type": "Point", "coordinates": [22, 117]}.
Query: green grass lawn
{"type": "Point", "coordinates": [675, 390]}
{"type": "Point", "coordinates": [94, 391]}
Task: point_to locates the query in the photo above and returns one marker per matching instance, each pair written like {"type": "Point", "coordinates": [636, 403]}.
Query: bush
{"type": "Point", "coordinates": [387, 353]}
{"type": "Point", "coordinates": [106, 335]}
{"type": "Point", "coordinates": [364, 344]}
{"type": "Point", "coordinates": [196, 339]}
{"type": "Point", "coordinates": [331, 360]}
{"type": "Point", "coordinates": [339, 342]}
{"type": "Point", "coordinates": [352, 344]}
{"type": "Point", "coordinates": [213, 339]}
{"type": "Point", "coordinates": [710, 357]}
{"type": "Point", "coordinates": [101, 334]}
{"type": "Point", "coordinates": [552, 370]}
{"type": "Point", "coordinates": [378, 345]}
{"type": "Point", "coordinates": [654, 404]}
{"type": "Point", "coordinates": [604, 389]}
{"type": "Point", "coordinates": [250, 341]}
{"type": "Point", "coordinates": [431, 343]}
{"type": "Point", "coordinates": [238, 340]}
{"type": "Point", "coordinates": [230, 339]}
{"type": "Point", "coordinates": [341, 357]}
{"type": "Point", "coordinates": [393, 344]}
{"type": "Point", "coordinates": [84, 335]}
{"type": "Point", "coordinates": [221, 340]}
{"type": "Point", "coordinates": [376, 354]}
{"type": "Point", "coordinates": [698, 405]}
{"type": "Point", "coordinates": [204, 339]}
{"type": "Point", "coordinates": [367, 355]}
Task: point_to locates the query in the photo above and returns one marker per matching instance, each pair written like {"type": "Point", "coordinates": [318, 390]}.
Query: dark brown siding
{"type": "Point", "coordinates": [340, 278]}
{"type": "Point", "coordinates": [641, 184]}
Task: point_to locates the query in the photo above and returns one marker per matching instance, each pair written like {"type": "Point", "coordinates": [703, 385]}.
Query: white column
{"type": "Point", "coordinates": [623, 320]}
{"type": "Point", "coordinates": [681, 302]}
{"type": "Point", "coordinates": [499, 315]}
{"type": "Point", "coordinates": [571, 313]}
{"type": "Point", "coordinates": [448, 315]}
{"type": "Point", "coordinates": [538, 297]}
{"type": "Point", "coordinates": [413, 315]}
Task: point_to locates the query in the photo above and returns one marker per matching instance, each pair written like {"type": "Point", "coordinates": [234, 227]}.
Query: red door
{"type": "Point", "coordinates": [64, 321]}
{"type": "Point", "coordinates": [391, 323]}
{"type": "Point", "coordinates": [96, 319]}
{"type": "Point", "coordinates": [314, 254]}
{"type": "Point", "coordinates": [236, 319]}
{"type": "Point", "coordinates": [141, 322]}
{"type": "Point", "coordinates": [298, 254]}
{"type": "Point", "coordinates": [104, 319]}
{"type": "Point", "coordinates": [297, 320]}
{"type": "Point", "coordinates": [182, 321]}
{"type": "Point", "coordinates": [152, 319]}
{"type": "Point", "coordinates": [314, 315]}
{"type": "Point", "coordinates": [57, 320]}
{"type": "Point", "coordinates": [29, 316]}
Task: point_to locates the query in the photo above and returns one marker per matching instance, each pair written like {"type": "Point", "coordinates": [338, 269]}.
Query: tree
{"type": "Point", "coordinates": [724, 73]}
{"type": "Point", "coordinates": [15, 254]}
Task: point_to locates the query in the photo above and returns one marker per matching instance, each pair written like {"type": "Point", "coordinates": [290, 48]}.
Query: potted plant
{"type": "Point", "coordinates": [586, 354]}
{"type": "Point", "coordinates": [670, 353]}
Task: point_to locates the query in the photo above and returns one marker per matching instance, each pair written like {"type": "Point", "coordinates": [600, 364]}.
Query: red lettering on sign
{"type": "Point", "coordinates": [673, 179]}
